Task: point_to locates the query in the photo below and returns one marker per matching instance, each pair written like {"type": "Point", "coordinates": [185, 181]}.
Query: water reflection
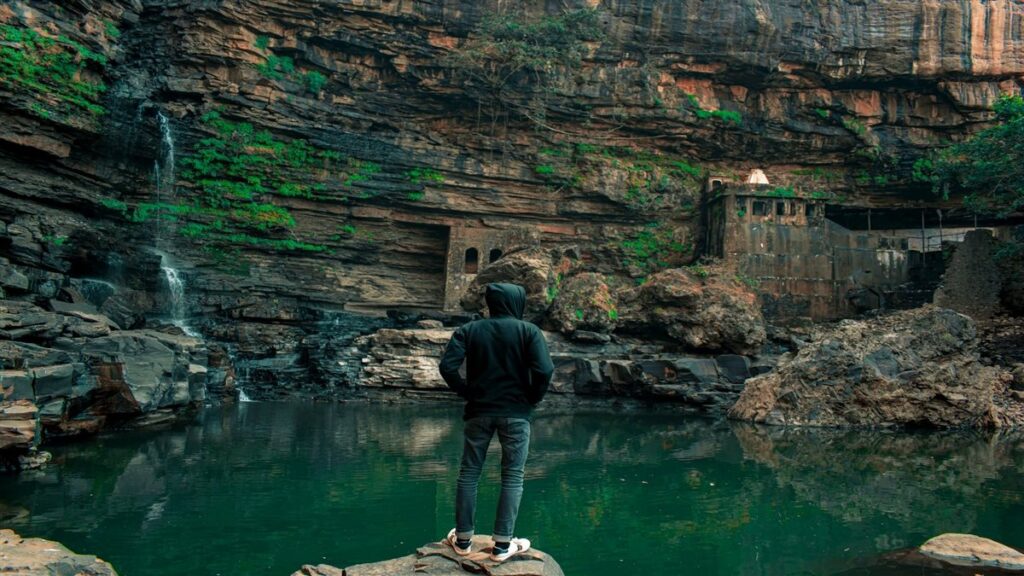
{"type": "Point", "coordinates": [263, 488]}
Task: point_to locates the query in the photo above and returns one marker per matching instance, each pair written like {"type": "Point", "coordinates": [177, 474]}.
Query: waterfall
{"type": "Point", "coordinates": [163, 168]}
{"type": "Point", "coordinates": [242, 396]}
{"type": "Point", "coordinates": [176, 286]}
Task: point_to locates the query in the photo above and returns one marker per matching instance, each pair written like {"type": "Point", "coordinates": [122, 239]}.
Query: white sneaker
{"type": "Point", "coordinates": [515, 546]}
{"type": "Point", "coordinates": [452, 540]}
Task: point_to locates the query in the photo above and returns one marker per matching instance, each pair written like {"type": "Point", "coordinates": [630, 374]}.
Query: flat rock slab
{"type": "Point", "coordinates": [29, 556]}
{"type": "Point", "coordinates": [971, 550]}
{"type": "Point", "coordinates": [440, 559]}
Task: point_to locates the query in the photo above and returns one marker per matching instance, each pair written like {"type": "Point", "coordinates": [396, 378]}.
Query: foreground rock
{"type": "Point", "coordinates": [439, 559]}
{"type": "Point", "coordinates": [37, 556]}
{"type": "Point", "coordinates": [71, 371]}
{"type": "Point", "coordinates": [918, 367]}
{"type": "Point", "coordinates": [971, 550]}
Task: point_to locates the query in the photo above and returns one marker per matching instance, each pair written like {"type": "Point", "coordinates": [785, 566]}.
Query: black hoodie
{"type": "Point", "coordinates": [508, 367]}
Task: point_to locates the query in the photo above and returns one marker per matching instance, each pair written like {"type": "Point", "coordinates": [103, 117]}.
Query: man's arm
{"type": "Point", "coordinates": [454, 354]}
{"type": "Point", "coordinates": [540, 367]}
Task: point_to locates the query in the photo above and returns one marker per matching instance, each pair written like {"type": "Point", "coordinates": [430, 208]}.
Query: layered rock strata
{"type": "Point", "coordinates": [401, 149]}
{"type": "Point", "coordinates": [918, 368]}
{"type": "Point", "coordinates": [590, 368]}
{"type": "Point", "coordinates": [70, 370]}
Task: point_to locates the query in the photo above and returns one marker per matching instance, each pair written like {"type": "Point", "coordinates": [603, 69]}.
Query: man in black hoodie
{"type": "Point", "coordinates": [508, 370]}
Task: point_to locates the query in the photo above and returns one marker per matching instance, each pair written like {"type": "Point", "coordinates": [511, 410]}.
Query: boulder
{"type": "Point", "coordinates": [17, 425]}
{"type": "Point", "coordinates": [916, 367]}
{"type": "Point", "coordinates": [439, 560]}
{"type": "Point", "coordinates": [151, 370]}
{"type": "Point", "coordinates": [16, 385]}
{"type": "Point", "coordinates": [535, 269]}
{"type": "Point", "coordinates": [20, 320]}
{"type": "Point", "coordinates": [971, 550]}
{"type": "Point", "coordinates": [584, 302]}
{"type": "Point", "coordinates": [11, 280]}
{"type": "Point", "coordinates": [403, 358]}
{"type": "Point", "coordinates": [715, 313]}
{"type": "Point", "coordinates": [37, 556]}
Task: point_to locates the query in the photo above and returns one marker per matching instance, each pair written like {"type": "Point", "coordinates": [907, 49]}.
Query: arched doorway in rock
{"type": "Point", "coordinates": [495, 254]}
{"type": "Point", "coordinates": [472, 261]}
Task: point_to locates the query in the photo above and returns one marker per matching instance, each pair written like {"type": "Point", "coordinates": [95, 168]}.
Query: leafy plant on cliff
{"type": "Point", "coordinates": [232, 176]}
{"type": "Point", "coordinates": [655, 248]}
{"type": "Point", "coordinates": [283, 68]}
{"type": "Point", "coordinates": [512, 58]}
{"type": "Point", "coordinates": [52, 69]}
{"type": "Point", "coordinates": [726, 116]}
{"type": "Point", "coordinates": [988, 168]}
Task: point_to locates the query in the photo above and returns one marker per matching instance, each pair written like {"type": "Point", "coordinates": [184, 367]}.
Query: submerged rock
{"type": "Point", "coordinates": [440, 560]}
{"type": "Point", "coordinates": [37, 556]}
{"type": "Point", "coordinates": [918, 367]}
{"type": "Point", "coordinates": [971, 550]}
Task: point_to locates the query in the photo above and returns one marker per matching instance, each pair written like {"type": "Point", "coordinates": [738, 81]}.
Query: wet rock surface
{"type": "Point", "coordinates": [971, 550]}
{"type": "Point", "coordinates": [438, 558]}
{"type": "Point", "coordinates": [919, 367]}
{"type": "Point", "coordinates": [37, 556]}
{"type": "Point", "coordinates": [403, 363]}
{"type": "Point", "coordinates": [71, 371]}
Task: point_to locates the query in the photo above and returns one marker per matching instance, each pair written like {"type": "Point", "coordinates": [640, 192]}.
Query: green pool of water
{"type": "Point", "coordinates": [262, 488]}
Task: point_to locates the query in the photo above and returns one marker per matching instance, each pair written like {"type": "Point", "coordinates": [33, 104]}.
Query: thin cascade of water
{"type": "Point", "coordinates": [176, 286]}
{"type": "Point", "coordinates": [163, 168]}
{"type": "Point", "coordinates": [241, 376]}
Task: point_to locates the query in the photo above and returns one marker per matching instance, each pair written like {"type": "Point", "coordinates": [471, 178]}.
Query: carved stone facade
{"type": "Point", "coordinates": [470, 249]}
{"type": "Point", "coordinates": [805, 265]}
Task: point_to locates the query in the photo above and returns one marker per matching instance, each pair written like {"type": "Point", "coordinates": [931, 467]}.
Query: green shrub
{"type": "Point", "coordinates": [420, 175]}
{"type": "Point", "coordinates": [654, 248]}
{"type": "Point", "coordinates": [115, 205]}
{"type": "Point", "coordinates": [314, 81]}
{"type": "Point", "coordinates": [111, 29]}
{"type": "Point", "coordinates": [50, 68]}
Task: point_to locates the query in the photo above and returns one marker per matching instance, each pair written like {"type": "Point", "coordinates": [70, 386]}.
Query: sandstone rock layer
{"type": "Point", "coordinates": [918, 367]}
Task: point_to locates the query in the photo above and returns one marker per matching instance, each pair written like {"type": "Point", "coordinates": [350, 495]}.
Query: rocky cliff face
{"type": "Point", "coordinates": [304, 164]}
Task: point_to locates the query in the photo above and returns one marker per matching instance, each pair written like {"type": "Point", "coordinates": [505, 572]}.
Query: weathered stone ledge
{"type": "Point", "coordinates": [37, 556]}
{"type": "Point", "coordinates": [439, 559]}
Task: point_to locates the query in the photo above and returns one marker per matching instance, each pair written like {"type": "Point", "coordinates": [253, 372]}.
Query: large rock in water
{"type": "Point", "coordinates": [37, 556]}
{"type": "Point", "coordinates": [918, 367]}
{"type": "Point", "coordinates": [715, 313]}
{"type": "Point", "coordinates": [439, 560]}
{"type": "Point", "coordinates": [971, 550]}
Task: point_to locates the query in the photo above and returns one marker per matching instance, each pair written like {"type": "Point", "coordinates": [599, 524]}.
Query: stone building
{"type": "Point", "coordinates": [805, 264]}
{"type": "Point", "coordinates": [469, 250]}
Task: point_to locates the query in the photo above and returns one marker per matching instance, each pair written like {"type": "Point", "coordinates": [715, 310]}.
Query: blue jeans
{"type": "Point", "coordinates": [514, 435]}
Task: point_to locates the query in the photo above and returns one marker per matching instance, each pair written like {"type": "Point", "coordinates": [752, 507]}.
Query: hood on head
{"type": "Point", "coordinates": [505, 300]}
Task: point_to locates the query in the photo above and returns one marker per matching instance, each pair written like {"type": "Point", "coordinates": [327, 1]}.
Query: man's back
{"type": "Point", "coordinates": [508, 367]}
